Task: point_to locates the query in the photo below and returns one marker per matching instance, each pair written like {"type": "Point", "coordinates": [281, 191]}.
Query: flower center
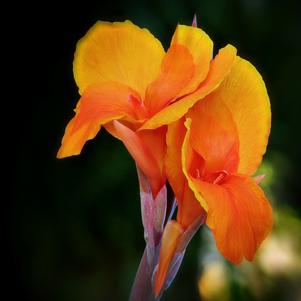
{"type": "Point", "coordinates": [199, 171]}
{"type": "Point", "coordinates": [221, 176]}
{"type": "Point", "coordinates": [217, 177]}
{"type": "Point", "coordinates": [138, 107]}
{"type": "Point", "coordinates": [135, 100]}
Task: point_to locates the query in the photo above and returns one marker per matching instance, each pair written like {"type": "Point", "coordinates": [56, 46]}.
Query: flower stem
{"type": "Point", "coordinates": [142, 288]}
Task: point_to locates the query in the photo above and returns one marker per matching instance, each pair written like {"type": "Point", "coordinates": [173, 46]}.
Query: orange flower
{"type": "Point", "coordinates": [202, 123]}
{"type": "Point", "coordinates": [210, 159]}
{"type": "Point", "coordinates": [129, 85]}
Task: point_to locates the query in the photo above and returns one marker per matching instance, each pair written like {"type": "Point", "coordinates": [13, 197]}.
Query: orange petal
{"type": "Point", "coordinates": [170, 237]}
{"type": "Point", "coordinates": [119, 51]}
{"type": "Point", "coordinates": [72, 144]}
{"type": "Point", "coordinates": [184, 67]}
{"type": "Point", "coordinates": [189, 160]}
{"type": "Point", "coordinates": [200, 47]}
{"type": "Point", "coordinates": [219, 68]}
{"type": "Point", "coordinates": [155, 140]}
{"type": "Point", "coordinates": [188, 207]}
{"type": "Point", "coordinates": [98, 105]}
{"type": "Point", "coordinates": [142, 154]}
{"type": "Point", "coordinates": [244, 92]}
{"type": "Point", "coordinates": [214, 136]}
{"type": "Point", "coordinates": [176, 71]}
{"type": "Point", "coordinates": [174, 140]}
{"type": "Point", "coordinates": [239, 216]}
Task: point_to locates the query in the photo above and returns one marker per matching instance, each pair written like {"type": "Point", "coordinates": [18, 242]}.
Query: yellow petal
{"type": "Point", "coordinates": [219, 69]}
{"type": "Point", "coordinates": [244, 93]}
{"type": "Point", "coordinates": [200, 47]}
{"type": "Point", "coordinates": [120, 52]}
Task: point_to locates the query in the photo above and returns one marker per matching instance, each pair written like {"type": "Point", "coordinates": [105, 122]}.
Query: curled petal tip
{"type": "Point", "coordinates": [194, 21]}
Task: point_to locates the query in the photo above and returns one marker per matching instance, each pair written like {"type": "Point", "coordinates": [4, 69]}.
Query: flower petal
{"type": "Point", "coordinates": [239, 216]}
{"type": "Point", "coordinates": [184, 67]}
{"type": "Point", "coordinates": [155, 140]}
{"type": "Point", "coordinates": [139, 148]}
{"type": "Point", "coordinates": [214, 136]}
{"type": "Point", "coordinates": [244, 92]}
{"type": "Point", "coordinates": [98, 105]}
{"type": "Point", "coordinates": [176, 72]}
{"type": "Point", "coordinates": [119, 51]}
{"type": "Point", "coordinates": [72, 144]}
{"type": "Point", "coordinates": [169, 242]}
{"type": "Point", "coordinates": [200, 47]}
{"type": "Point", "coordinates": [188, 159]}
{"type": "Point", "coordinates": [219, 68]}
{"type": "Point", "coordinates": [174, 140]}
{"type": "Point", "coordinates": [188, 207]}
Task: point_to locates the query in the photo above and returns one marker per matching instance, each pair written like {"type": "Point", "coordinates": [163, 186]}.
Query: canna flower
{"type": "Point", "coordinates": [202, 123]}
{"type": "Point", "coordinates": [212, 154]}
{"type": "Point", "coordinates": [133, 88]}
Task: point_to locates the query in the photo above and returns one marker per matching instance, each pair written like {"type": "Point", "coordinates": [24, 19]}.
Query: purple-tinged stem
{"type": "Point", "coordinates": [153, 212]}
{"type": "Point", "coordinates": [142, 289]}
{"type": "Point", "coordinates": [156, 214]}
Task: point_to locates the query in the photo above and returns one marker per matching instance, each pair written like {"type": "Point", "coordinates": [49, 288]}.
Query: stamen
{"type": "Point", "coordinates": [222, 175]}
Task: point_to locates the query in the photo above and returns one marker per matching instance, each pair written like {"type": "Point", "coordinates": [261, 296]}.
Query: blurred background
{"type": "Point", "coordinates": [75, 224]}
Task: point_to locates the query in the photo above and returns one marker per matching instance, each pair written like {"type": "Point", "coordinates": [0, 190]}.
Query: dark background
{"type": "Point", "coordinates": [75, 223]}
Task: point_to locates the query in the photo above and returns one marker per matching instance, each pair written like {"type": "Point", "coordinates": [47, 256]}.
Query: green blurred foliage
{"type": "Point", "coordinates": [75, 223]}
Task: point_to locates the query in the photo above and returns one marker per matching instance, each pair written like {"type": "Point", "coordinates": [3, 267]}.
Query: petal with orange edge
{"type": "Point", "coordinates": [176, 72]}
{"type": "Point", "coordinates": [244, 92]}
{"type": "Point", "coordinates": [174, 140]}
{"type": "Point", "coordinates": [214, 136]}
{"type": "Point", "coordinates": [200, 47]}
{"type": "Point", "coordinates": [184, 67]}
{"type": "Point", "coordinates": [239, 216]}
{"type": "Point", "coordinates": [189, 160]}
{"type": "Point", "coordinates": [98, 105]}
{"type": "Point", "coordinates": [73, 144]}
{"type": "Point", "coordinates": [119, 51]}
{"type": "Point", "coordinates": [188, 207]}
{"type": "Point", "coordinates": [219, 69]}
{"type": "Point", "coordinates": [142, 154]}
